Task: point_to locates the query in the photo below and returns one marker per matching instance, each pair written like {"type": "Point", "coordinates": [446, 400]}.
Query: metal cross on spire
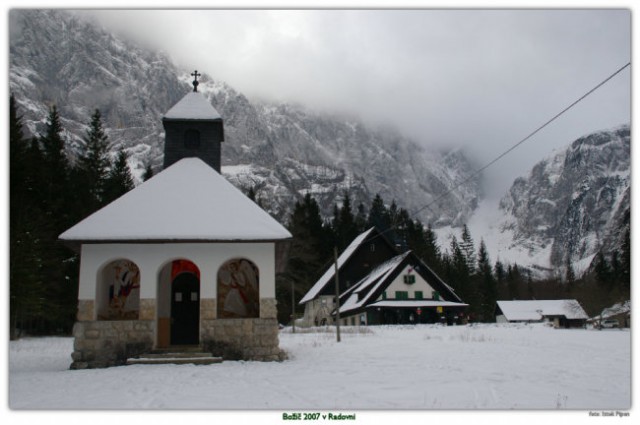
{"type": "Point", "coordinates": [195, 82]}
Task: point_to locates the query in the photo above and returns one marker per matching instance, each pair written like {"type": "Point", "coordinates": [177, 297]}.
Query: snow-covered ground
{"type": "Point", "coordinates": [414, 367]}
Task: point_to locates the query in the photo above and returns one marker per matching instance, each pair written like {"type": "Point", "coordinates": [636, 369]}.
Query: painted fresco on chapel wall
{"type": "Point", "coordinates": [123, 278]}
{"type": "Point", "coordinates": [238, 290]}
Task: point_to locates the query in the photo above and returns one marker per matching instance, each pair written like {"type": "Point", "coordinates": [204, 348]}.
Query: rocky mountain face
{"type": "Point", "coordinates": [283, 151]}
{"type": "Point", "coordinates": [576, 202]}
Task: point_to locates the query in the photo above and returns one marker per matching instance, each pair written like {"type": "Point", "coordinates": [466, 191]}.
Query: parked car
{"type": "Point", "coordinates": [609, 323]}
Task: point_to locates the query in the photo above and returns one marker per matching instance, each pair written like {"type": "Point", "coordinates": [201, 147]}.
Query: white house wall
{"type": "Point", "coordinates": [150, 258]}
{"type": "Point", "coordinates": [398, 285]}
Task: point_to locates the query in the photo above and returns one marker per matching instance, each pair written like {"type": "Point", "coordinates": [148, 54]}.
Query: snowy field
{"type": "Point", "coordinates": [424, 367]}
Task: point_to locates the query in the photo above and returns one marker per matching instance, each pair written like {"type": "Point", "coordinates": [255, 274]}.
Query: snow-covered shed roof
{"type": "Point", "coordinates": [342, 259]}
{"type": "Point", "coordinates": [193, 106]}
{"type": "Point", "coordinates": [535, 310]}
{"type": "Point", "coordinates": [188, 201]}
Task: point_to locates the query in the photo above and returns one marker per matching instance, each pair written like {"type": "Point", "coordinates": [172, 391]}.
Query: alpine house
{"type": "Point", "coordinates": [379, 286]}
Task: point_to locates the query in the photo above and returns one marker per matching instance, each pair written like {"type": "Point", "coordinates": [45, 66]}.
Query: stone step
{"type": "Point", "coordinates": [174, 360]}
{"type": "Point", "coordinates": [176, 354]}
{"type": "Point", "coordinates": [179, 349]}
{"type": "Point", "coordinates": [189, 354]}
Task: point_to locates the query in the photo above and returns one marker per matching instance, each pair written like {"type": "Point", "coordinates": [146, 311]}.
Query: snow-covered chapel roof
{"type": "Point", "coordinates": [188, 201]}
{"type": "Point", "coordinates": [193, 106]}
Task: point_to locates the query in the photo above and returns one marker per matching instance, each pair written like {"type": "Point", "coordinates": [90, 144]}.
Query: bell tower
{"type": "Point", "coordinates": [193, 128]}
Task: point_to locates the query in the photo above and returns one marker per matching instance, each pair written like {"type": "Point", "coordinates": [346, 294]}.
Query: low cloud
{"type": "Point", "coordinates": [476, 79]}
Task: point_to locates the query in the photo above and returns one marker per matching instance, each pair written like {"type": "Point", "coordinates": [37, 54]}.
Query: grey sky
{"type": "Point", "coordinates": [478, 79]}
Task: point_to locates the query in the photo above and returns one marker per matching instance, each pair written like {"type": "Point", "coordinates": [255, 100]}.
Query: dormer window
{"type": "Point", "coordinates": [192, 139]}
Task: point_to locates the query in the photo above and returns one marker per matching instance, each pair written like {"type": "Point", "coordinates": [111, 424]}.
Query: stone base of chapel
{"type": "Point", "coordinates": [105, 343]}
{"type": "Point", "coordinates": [100, 344]}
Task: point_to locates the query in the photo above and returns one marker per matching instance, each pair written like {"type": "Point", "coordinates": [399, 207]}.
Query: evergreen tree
{"type": "Point", "coordinates": [93, 167]}
{"type": "Point", "coordinates": [378, 215]}
{"type": "Point", "coordinates": [119, 180]}
{"type": "Point", "coordinates": [58, 266]}
{"type": "Point", "coordinates": [514, 281]}
{"type": "Point", "coordinates": [148, 173]}
{"type": "Point", "coordinates": [26, 230]}
{"type": "Point", "coordinates": [413, 235]}
{"type": "Point", "coordinates": [17, 148]}
{"type": "Point", "coordinates": [530, 291]}
{"type": "Point", "coordinates": [459, 277]}
{"type": "Point", "coordinates": [625, 261]}
{"type": "Point", "coordinates": [602, 270]}
{"type": "Point", "coordinates": [488, 285]}
{"type": "Point", "coordinates": [570, 276]}
{"type": "Point", "coordinates": [308, 254]}
{"type": "Point", "coordinates": [501, 277]}
{"type": "Point", "coordinates": [405, 232]}
{"type": "Point", "coordinates": [361, 218]}
{"type": "Point", "coordinates": [616, 267]}
{"type": "Point", "coordinates": [344, 226]}
{"type": "Point", "coordinates": [467, 247]}
{"type": "Point", "coordinates": [432, 255]}
{"type": "Point", "coordinates": [54, 187]}
{"type": "Point", "coordinates": [252, 194]}
{"type": "Point", "coordinates": [53, 144]}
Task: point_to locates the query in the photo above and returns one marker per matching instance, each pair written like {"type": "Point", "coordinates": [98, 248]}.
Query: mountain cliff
{"type": "Point", "coordinates": [574, 203]}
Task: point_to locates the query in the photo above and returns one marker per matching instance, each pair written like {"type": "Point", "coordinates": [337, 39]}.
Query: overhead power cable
{"type": "Point", "coordinates": [534, 132]}
{"type": "Point", "coordinates": [505, 153]}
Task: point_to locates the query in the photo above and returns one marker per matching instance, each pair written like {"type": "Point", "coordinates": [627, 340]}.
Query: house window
{"type": "Point", "coordinates": [436, 295]}
{"type": "Point", "coordinates": [402, 295]}
{"type": "Point", "coordinates": [384, 295]}
{"type": "Point", "coordinates": [419, 295]}
{"type": "Point", "coordinates": [409, 279]}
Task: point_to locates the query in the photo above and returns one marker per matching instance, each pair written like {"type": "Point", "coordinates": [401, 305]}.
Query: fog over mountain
{"type": "Point", "coordinates": [568, 206]}
{"type": "Point", "coordinates": [282, 150]}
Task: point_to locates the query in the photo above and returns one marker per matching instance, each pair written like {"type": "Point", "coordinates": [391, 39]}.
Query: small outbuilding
{"type": "Point", "coordinates": [562, 313]}
{"type": "Point", "coordinates": [618, 314]}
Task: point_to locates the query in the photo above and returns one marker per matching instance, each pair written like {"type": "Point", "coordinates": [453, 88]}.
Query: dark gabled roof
{"type": "Point", "coordinates": [343, 259]}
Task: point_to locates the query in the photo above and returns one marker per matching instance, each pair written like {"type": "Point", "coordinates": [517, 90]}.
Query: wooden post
{"type": "Point", "coordinates": [335, 258]}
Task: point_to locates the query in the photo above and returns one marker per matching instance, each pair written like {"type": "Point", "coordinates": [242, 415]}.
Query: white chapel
{"type": "Point", "coordinates": [183, 260]}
